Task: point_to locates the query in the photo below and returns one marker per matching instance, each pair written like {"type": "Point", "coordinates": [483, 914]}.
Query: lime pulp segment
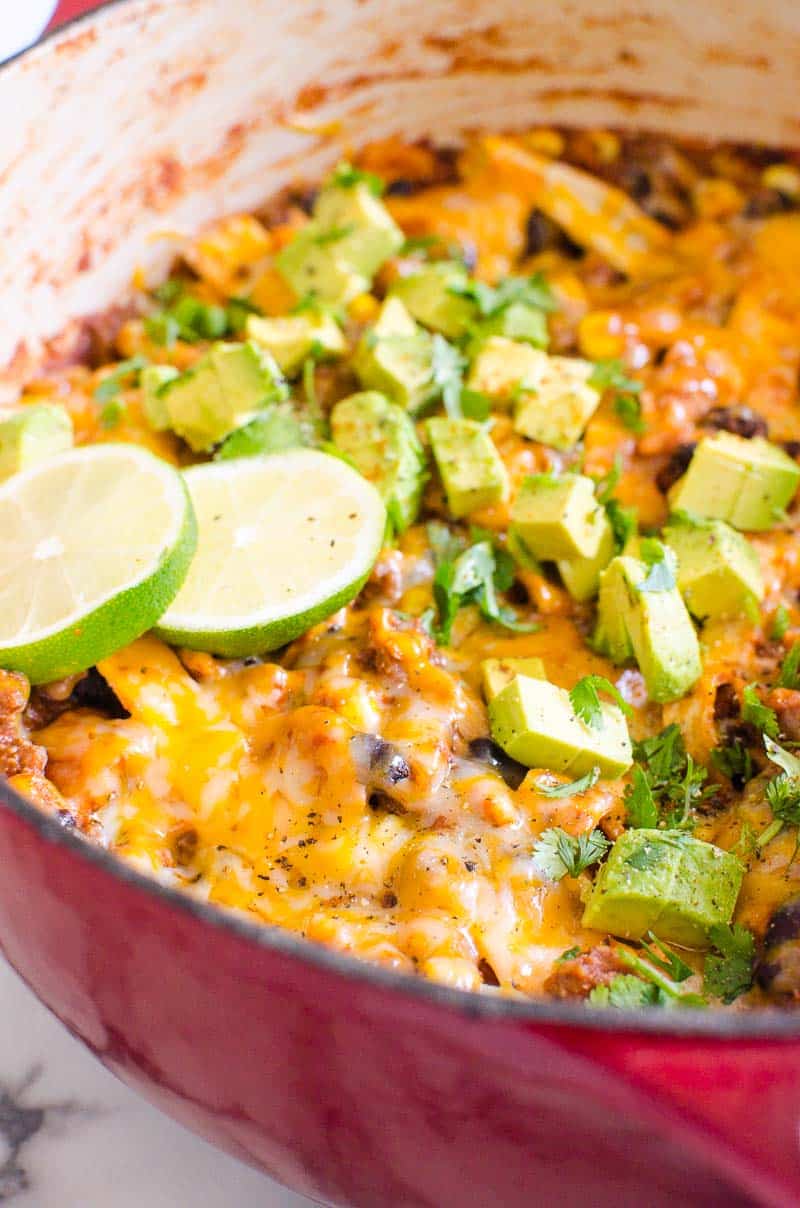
{"type": "Point", "coordinates": [94, 544]}
{"type": "Point", "coordinates": [284, 540]}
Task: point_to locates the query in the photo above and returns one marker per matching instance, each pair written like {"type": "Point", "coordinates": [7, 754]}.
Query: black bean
{"type": "Point", "coordinates": [742, 421]}
{"type": "Point", "coordinates": [403, 187]}
{"type": "Point", "coordinates": [726, 702]}
{"type": "Point", "coordinates": [486, 751]}
{"type": "Point", "coordinates": [676, 466]}
{"type": "Point", "coordinates": [94, 692]}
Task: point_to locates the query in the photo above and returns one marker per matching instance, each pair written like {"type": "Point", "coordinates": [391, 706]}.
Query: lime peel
{"type": "Point", "coordinates": [94, 544]}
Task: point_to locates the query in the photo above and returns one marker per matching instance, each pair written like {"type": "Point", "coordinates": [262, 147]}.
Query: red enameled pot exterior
{"type": "Point", "coordinates": [345, 1083]}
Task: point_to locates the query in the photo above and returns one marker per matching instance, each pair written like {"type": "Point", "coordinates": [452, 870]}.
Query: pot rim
{"type": "Point", "coordinates": [762, 1023]}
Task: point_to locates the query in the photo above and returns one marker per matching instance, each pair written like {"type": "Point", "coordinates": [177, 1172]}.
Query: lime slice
{"type": "Point", "coordinates": [284, 541]}
{"type": "Point", "coordinates": [93, 546]}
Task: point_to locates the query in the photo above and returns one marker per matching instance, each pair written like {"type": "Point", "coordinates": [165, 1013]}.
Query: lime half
{"type": "Point", "coordinates": [93, 546]}
{"type": "Point", "coordinates": [284, 541]}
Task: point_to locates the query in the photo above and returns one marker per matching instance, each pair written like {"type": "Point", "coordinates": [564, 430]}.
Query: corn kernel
{"type": "Point", "coordinates": [364, 308]}
{"type": "Point", "coordinates": [545, 141]}
{"type": "Point", "coordinates": [715, 198]}
{"type": "Point", "coordinates": [600, 335]}
{"type": "Point", "coordinates": [784, 178]}
{"type": "Point", "coordinates": [606, 145]}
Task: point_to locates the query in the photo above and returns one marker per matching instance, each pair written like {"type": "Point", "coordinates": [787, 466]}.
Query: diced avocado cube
{"type": "Point", "coordinates": [431, 296]}
{"type": "Point", "coordinates": [293, 338]}
{"type": "Point", "coordinates": [223, 391]}
{"type": "Point", "coordinates": [276, 429]}
{"type": "Point", "coordinates": [667, 882]}
{"type": "Point", "coordinates": [747, 483]}
{"type": "Point", "coordinates": [380, 439]}
{"type": "Point", "coordinates": [471, 469]}
{"type": "Point", "coordinates": [557, 516]}
{"type": "Point", "coordinates": [652, 624]}
{"type": "Point", "coordinates": [34, 433]}
{"type": "Point", "coordinates": [559, 405]}
{"type": "Point", "coordinates": [151, 380]}
{"type": "Point", "coordinates": [497, 673]}
{"type": "Point", "coordinates": [312, 264]}
{"type": "Point", "coordinates": [395, 357]}
{"type": "Point", "coordinates": [369, 234]}
{"type": "Point", "coordinates": [718, 570]}
{"type": "Point", "coordinates": [581, 576]}
{"type": "Point", "coordinates": [534, 722]}
{"type": "Point", "coordinates": [502, 367]}
{"type": "Point", "coordinates": [616, 595]}
{"type": "Point", "coordinates": [516, 322]}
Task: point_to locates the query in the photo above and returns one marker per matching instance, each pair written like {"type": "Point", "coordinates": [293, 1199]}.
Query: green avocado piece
{"type": "Point", "coordinates": [656, 625]}
{"type": "Point", "coordinates": [151, 380]}
{"type": "Point", "coordinates": [223, 391]}
{"type": "Point", "coordinates": [667, 882]}
{"type": "Point", "coordinates": [34, 433]}
{"type": "Point", "coordinates": [557, 517]}
{"type": "Point", "coordinates": [278, 428]}
{"type": "Point", "coordinates": [534, 722]}
{"type": "Point", "coordinates": [556, 407]}
{"type": "Point", "coordinates": [719, 573]}
{"type": "Point", "coordinates": [581, 576]}
{"type": "Point", "coordinates": [502, 367]}
{"type": "Point", "coordinates": [497, 673]}
{"type": "Point", "coordinates": [471, 469]}
{"type": "Point", "coordinates": [369, 234]}
{"type": "Point", "coordinates": [747, 483]}
{"type": "Point", "coordinates": [431, 296]}
{"type": "Point", "coordinates": [293, 338]}
{"type": "Point", "coordinates": [617, 594]}
{"type": "Point", "coordinates": [395, 357]}
{"type": "Point", "coordinates": [381, 441]}
{"type": "Point", "coordinates": [520, 322]}
{"type": "Point", "coordinates": [313, 265]}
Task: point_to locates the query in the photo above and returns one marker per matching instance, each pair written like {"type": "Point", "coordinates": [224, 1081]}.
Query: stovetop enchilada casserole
{"type": "Point", "coordinates": [416, 569]}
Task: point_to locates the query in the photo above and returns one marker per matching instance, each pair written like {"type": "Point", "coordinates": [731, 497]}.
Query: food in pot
{"type": "Point", "coordinates": [424, 576]}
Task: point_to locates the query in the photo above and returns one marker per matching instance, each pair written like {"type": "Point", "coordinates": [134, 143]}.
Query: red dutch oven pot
{"type": "Point", "coordinates": [346, 1082]}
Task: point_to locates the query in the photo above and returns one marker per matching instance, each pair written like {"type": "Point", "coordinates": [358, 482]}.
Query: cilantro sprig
{"type": "Point", "coordinates": [611, 375]}
{"type": "Point", "coordinates": [572, 789]}
{"type": "Point", "coordinates": [757, 713]}
{"type": "Point", "coordinates": [728, 971]}
{"type": "Point", "coordinates": [492, 300]}
{"type": "Point", "coordinates": [471, 575]}
{"type": "Point", "coordinates": [345, 176]}
{"type": "Point", "coordinates": [558, 854]}
{"type": "Point", "coordinates": [126, 373]}
{"type": "Point", "coordinates": [585, 699]}
{"type": "Point", "coordinates": [666, 784]}
{"type": "Point", "coordinates": [184, 317]}
{"type": "Point", "coordinates": [782, 792]}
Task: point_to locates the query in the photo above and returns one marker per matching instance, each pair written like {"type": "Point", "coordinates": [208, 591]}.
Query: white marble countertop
{"type": "Point", "coordinates": [72, 1136]}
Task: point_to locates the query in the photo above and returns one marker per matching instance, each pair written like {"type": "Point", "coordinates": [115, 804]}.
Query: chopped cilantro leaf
{"type": "Point", "coordinates": [333, 234]}
{"type": "Point", "coordinates": [493, 300]}
{"type": "Point", "coordinates": [605, 487]}
{"type": "Point", "coordinates": [623, 522]}
{"type": "Point", "coordinates": [661, 566]}
{"type": "Point", "coordinates": [345, 176]}
{"type": "Point", "coordinates": [628, 411]}
{"type": "Point", "coordinates": [447, 370]}
{"type": "Point", "coordinates": [470, 576]}
{"type": "Point", "coordinates": [665, 971]}
{"type": "Point", "coordinates": [568, 954]}
{"type": "Point", "coordinates": [780, 623]}
{"type": "Point", "coordinates": [729, 971]}
{"type": "Point", "coordinates": [735, 762]}
{"type": "Point", "coordinates": [112, 413]}
{"type": "Point", "coordinates": [758, 714]}
{"type": "Point", "coordinates": [639, 801]}
{"type": "Point", "coordinates": [790, 669]}
{"type": "Point", "coordinates": [585, 699]}
{"type": "Point", "coordinates": [610, 374]}
{"type": "Point", "coordinates": [782, 793]}
{"type": "Point", "coordinates": [557, 854]}
{"type": "Point", "coordinates": [626, 992]}
{"type": "Point", "coordinates": [665, 958]}
{"type": "Point", "coordinates": [573, 788]}
{"type": "Point", "coordinates": [667, 779]}
{"type": "Point", "coordinates": [111, 385]}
